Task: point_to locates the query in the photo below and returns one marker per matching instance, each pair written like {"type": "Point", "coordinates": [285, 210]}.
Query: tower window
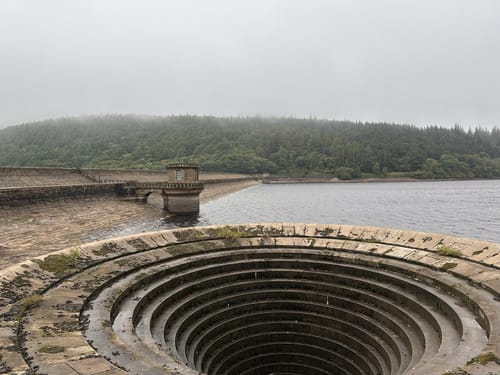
{"type": "Point", "coordinates": [179, 175]}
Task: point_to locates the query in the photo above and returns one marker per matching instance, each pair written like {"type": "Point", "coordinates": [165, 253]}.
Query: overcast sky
{"type": "Point", "coordinates": [424, 62]}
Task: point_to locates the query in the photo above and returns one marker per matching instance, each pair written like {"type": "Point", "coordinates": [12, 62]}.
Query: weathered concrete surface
{"type": "Point", "coordinates": [32, 230]}
{"type": "Point", "coordinates": [471, 274]}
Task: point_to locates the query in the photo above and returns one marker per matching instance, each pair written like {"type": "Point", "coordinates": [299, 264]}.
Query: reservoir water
{"type": "Point", "coordinates": [462, 208]}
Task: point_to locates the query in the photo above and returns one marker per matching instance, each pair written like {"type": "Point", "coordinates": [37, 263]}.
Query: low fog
{"type": "Point", "coordinates": [425, 62]}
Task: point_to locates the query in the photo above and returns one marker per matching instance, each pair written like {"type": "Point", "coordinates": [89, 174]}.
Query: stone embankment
{"type": "Point", "coordinates": [257, 299]}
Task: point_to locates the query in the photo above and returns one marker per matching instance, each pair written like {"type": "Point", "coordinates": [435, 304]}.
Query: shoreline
{"type": "Point", "coordinates": [334, 180]}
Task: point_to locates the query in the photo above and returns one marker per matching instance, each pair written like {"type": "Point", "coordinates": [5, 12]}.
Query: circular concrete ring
{"type": "Point", "coordinates": [256, 299]}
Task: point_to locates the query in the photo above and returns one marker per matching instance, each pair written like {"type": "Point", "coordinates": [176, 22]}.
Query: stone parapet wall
{"type": "Point", "coordinates": [30, 177]}
{"type": "Point", "coordinates": [13, 196]}
{"type": "Point", "coordinates": [107, 175]}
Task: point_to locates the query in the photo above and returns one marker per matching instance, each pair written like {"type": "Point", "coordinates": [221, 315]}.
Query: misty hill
{"type": "Point", "coordinates": [284, 146]}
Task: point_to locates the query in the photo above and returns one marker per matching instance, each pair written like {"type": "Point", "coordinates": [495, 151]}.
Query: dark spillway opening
{"type": "Point", "coordinates": [278, 313]}
{"type": "Point", "coordinates": [284, 311]}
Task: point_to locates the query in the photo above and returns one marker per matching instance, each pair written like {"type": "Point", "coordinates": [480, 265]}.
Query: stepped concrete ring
{"type": "Point", "coordinates": [256, 299]}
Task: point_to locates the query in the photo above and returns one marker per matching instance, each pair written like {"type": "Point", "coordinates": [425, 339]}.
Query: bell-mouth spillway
{"type": "Point", "coordinates": [258, 299]}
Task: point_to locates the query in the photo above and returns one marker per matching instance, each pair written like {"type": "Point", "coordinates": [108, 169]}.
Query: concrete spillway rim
{"type": "Point", "coordinates": [475, 261]}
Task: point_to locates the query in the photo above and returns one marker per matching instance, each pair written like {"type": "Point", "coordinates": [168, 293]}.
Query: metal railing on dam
{"type": "Point", "coordinates": [166, 185]}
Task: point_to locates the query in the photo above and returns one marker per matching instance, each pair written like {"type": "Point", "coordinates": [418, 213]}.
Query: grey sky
{"type": "Point", "coordinates": [424, 62]}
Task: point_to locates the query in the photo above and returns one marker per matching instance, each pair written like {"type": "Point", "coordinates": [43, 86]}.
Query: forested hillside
{"type": "Point", "coordinates": [284, 146]}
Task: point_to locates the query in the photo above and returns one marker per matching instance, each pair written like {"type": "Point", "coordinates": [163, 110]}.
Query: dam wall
{"type": "Point", "coordinates": [115, 175]}
{"type": "Point", "coordinates": [30, 177]}
{"type": "Point", "coordinates": [26, 184]}
{"type": "Point", "coordinates": [111, 175]}
{"type": "Point", "coordinates": [257, 299]}
{"type": "Point", "coordinates": [14, 196]}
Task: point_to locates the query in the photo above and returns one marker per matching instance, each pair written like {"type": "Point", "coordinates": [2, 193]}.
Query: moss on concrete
{"type": "Point", "coordinates": [28, 302]}
{"type": "Point", "coordinates": [229, 233]}
{"type": "Point", "coordinates": [59, 264]}
{"type": "Point", "coordinates": [368, 240]}
{"type": "Point", "coordinates": [51, 349]}
{"type": "Point", "coordinates": [457, 372]}
{"type": "Point", "coordinates": [189, 235]}
{"type": "Point", "coordinates": [483, 359]}
{"type": "Point", "coordinates": [107, 248]}
{"type": "Point", "coordinates": [448, 251]}
{"type": "Point", "coordinates": [138, 244]}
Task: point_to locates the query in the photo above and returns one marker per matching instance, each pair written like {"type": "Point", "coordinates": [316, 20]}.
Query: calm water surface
{"type": "Point", "coordinates": [463, 208]}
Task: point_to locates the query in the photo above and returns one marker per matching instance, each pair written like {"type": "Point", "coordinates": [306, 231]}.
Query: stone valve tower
{"type": "Point", "coordinates": [182, 193]}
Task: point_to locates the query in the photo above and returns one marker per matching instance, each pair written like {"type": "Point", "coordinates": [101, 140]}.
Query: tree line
{"type": "Point", "coordinates": [283, 146]}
